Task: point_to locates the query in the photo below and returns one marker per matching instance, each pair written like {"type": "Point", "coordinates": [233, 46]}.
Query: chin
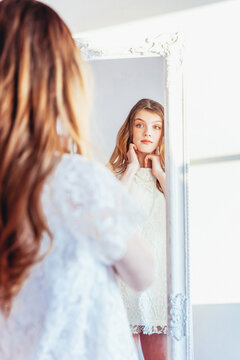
{"type": "Point", "coordinates": [145, 151]}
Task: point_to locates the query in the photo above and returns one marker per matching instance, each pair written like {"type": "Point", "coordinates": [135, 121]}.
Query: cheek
{"type": "Point", "coordinates": [157, 137]}
{"type": "Point", "coordinates": [136, 134]}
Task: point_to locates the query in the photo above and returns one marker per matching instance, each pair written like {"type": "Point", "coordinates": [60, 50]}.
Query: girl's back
{"type": "Point", "coordinates": [71, 300]}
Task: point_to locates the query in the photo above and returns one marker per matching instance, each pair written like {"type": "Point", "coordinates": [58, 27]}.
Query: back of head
{"type": "Point", "coordinates": [42, 82]}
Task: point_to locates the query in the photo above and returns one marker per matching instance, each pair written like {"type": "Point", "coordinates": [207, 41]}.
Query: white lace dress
{"type": "Point", "coordinates": [147, 310]}
{"type": "Point", "coordinates": [70, 307]}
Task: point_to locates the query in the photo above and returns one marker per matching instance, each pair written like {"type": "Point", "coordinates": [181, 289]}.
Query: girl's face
{"type": "Point", "coordinates": [147, 130]}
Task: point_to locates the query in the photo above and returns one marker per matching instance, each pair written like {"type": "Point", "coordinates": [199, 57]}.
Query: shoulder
{"type": "Point", "coordinates": [74, 164]}
{"type": "Point", "coordinates": [75, 170]}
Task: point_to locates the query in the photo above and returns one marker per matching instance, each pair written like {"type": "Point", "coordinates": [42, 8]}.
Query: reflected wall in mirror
{"type": "Point", "coordinates": [118, 85]}
{"type": "Point", "coordinates": [151, 70]}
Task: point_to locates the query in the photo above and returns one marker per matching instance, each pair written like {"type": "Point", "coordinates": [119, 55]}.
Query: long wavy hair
{"type": "Point", "coordinates": [42, 82]}
{"type": "Point", "coordinates": [118, 160]}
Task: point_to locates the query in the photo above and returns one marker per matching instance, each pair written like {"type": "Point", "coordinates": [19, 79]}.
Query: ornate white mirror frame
{"type": "Point", "coordinates": [170, 47]}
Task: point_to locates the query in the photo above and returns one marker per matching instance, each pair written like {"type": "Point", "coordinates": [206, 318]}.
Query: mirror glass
{"type": "Point", "coordinates": [118, 85]}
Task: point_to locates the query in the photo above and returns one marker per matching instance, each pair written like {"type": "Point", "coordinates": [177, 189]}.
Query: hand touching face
{"type": "Point", "coordinates": [132, 157]}
{"type": "Point", "coordinates": [157, 170]}
{"type": "Point", "coordinates": [147, 130]}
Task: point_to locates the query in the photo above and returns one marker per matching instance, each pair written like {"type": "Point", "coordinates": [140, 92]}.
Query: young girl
{"type": "Point", "coordinates": [138, 161]}
{"type": "Point", "coordinates": [66, 225]}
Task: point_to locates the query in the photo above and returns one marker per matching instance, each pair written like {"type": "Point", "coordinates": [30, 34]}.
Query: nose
{"type": "Point", "coordinates": [148, 131]}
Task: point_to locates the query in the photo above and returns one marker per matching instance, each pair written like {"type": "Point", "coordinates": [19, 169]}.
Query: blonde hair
{"type": "Point", "coordinates": [118, 160]}
{"type": "Point", "coordinates": [42, 81]}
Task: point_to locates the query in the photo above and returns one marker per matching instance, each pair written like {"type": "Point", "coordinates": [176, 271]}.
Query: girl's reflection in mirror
{"type": "Point", "coordinates": [138, 161]}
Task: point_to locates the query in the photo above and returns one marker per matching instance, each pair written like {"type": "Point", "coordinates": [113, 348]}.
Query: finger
{"type": "Point", "coordinates": [132, 147]}
{"type": "Point", "coordinates": [157, 151]}
{"type": "Point", "coordinates": [145, 161]}
{"type": "Point", "coordinates": [148, 157]}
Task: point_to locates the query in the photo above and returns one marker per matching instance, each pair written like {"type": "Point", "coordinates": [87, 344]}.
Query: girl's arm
{"type": "Point", "coordinates": [162, 179]}
{"type": "Point", "coordinates": [133, 166]}
{"type": "Point", "coordinates": [128, 175]}
{"type": "Point", "coordinates": [136, 268]}
{"type": "Point", "coordinates": [157, 170]}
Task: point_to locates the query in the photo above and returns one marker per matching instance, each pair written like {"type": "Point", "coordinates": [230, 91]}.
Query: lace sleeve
{"type": "Point", "coordinates": [97, 209]}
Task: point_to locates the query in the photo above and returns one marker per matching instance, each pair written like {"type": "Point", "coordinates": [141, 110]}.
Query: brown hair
{"type": "Point", "coordinates": [41, 82]}
{"type": "Point", "coordinates": [118, 160]}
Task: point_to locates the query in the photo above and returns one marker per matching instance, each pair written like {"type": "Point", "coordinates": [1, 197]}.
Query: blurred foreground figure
{"type": "Point", "coordinates": [66, 225]}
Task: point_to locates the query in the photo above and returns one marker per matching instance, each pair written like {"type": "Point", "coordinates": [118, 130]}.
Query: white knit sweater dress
{"type": "Point", "coordinates": [147, 310]}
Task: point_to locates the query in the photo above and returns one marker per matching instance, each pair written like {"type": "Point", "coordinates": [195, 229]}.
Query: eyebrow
{"type": "Point", "coordinates": [157, 121]}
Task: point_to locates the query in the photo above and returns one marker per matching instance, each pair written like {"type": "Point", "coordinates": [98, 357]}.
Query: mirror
{"type": "Point", "coordinates": [150, 68]}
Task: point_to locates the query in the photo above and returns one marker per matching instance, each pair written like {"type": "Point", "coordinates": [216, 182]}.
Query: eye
{"type": "Point", "coordinates": [157, 127]}
{"type": "Point", "coordinates": [139, 125]}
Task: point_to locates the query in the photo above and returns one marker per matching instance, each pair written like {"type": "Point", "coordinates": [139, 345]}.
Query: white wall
{"type": "Point", "coordinates": [215, 329]}
{"type": "Point", "coordinates": [213, 78]}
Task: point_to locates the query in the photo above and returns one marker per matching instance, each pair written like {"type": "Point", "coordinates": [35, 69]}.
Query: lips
{"type": "Point", "coordinates": [146, 141]}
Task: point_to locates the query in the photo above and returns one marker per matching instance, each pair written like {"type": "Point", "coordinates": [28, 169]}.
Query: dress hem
{"type": "Point", "coordinates": [148, 330]}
